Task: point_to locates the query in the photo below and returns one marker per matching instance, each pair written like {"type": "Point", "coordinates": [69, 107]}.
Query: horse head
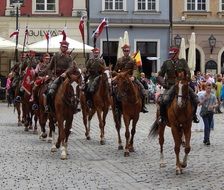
{"type": "Point", "coordinates": [182, 91]}
{"type": "Point", "coordinates": [123, 84]}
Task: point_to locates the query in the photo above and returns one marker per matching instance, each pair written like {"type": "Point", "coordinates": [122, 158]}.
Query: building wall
{"type": "Point", "coordinates": [141, 26]}
{"type": "Point", "coordinates": [203, 23]}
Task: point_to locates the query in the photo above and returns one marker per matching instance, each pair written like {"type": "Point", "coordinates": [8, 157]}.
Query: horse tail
{"type": "Point", "coordinates": [154, 130]}
{"type": "Point", "coordinates": [117, 115]}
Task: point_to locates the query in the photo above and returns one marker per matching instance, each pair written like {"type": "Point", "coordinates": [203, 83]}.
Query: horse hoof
{"type": "Point", "coordinates": [26, 129]}
{"type": "Point", "coordinates": [53, 149]}
{"type": "Point", "coordinates": [102, 142]}
{"type": "Point", "coordinates": [126, 154]}
{"type": "Point", "coordinates": [19, 124]}
{"type": "Point", "coordinates": [88, 138]}
{"type": "Point", "coordinates": [183, 165]}
{"type": "Point", "coordinates": [49, 140]}
{"type": "Point", "coordinates": [131, 149]}
{"type": "Point", "coordinates": [179, 171]}
{"type": "Point", "coordinates": [30, 127]}
{"type": "Point", "coordinates": [44, 135]}
{"type": "Point", "coordinates": [57, 145]}
{"type": "Point", "coordinates": [120, 147]}
{"type": "Point", "coordinates": [64, 157]}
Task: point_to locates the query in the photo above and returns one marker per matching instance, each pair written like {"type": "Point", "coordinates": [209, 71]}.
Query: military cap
{"type": "Point", "coordinates": [173, 50]}
{"type": "Point", "coordinates": [126, 47]}
{"type": "Point", "coordinates": [96, 50]}
{"type": "Point", "coordinates": [64, 43]}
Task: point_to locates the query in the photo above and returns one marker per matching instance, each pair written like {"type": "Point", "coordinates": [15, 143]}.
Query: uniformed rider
{"type": "Point", "coordinates": [60, 65]}
{"type": "Point", "coordinates": [126, 63]}
{"type": "Point", "coordinates": [167, 78]}
{"type": "Point", "coordinates": [95, 66]}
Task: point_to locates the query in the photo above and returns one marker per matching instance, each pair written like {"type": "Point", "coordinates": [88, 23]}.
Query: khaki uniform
{"type": "Point", "coordinates": [94, 67]}
{"type": "Point", "coordinates": [170, 68]}
{"type": "Point", "coordinates": [125, 64]}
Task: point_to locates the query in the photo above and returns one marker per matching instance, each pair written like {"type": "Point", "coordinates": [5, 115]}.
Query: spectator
{"type": "Point", "coordinates": [194, 84]}
{"type": "Point", "coordinates": [8, 89]}
{"type": "Point", "coordinates": [209, 103]}
{"type": "Point", "coordinates": [218, 92]}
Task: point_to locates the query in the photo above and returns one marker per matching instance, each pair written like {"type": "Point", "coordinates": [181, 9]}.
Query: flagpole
{"type": "Point", "coordinates": [84, 47]}
{"type": "Point", "coordinates": [108, 47]}
{"type": "Point", "coordinates": [24, 42]}
{"type": "Point", "coordinates": [17, 28]}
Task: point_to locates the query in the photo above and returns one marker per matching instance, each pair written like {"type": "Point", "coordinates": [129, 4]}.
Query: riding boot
{"type": "Point", "coordinates": [195, 118]}
{"type": "Point", "coordinates": [46, 108]}
{"type": "Point", "coordinates": [144, 109]}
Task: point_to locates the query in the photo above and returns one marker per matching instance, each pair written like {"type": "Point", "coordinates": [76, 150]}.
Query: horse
{"type": "Point", "coordinates": [127, 103]}
{"type": "Point", "coordinates": [64, 111]}
{"type": "Point", "coordinates": [42, 115]}
{"type": "Point", "coordinates": [101, 104]}
{"type": "Point", "coordinates": [179, 114]}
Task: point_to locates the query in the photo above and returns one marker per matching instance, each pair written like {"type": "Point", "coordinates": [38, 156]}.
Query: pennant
{"type": "Point", "coordinates": [100, 28]}
{"type": "Point", "coordinates": [15, 33]}
{"type": "Point", "coordinates": [47, 35]}
{"type": "Point", "coordinates": [137, 58]}
{"type": "Point", "coordinates": [81, 27]}
{"type": "Point", "coordinates": [26, 84]}
{"type": "Point", "coordinates": [64, 35]}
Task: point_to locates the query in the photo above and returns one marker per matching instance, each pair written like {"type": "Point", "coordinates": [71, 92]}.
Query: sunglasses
{"type": "Point", "coordinates": [126, 50]}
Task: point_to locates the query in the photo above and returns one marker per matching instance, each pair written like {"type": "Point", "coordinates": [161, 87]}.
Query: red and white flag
{"type": "Point", "coordinates": [27, 79]}
{"type": "Point", "coordinates": [15, 33]}
{"type": "Point", "coordinates": [47, 35]}
{"type": "Point", "coordinates": [100, 28]}
{"type": "Point", "coordinates": [81, 27]}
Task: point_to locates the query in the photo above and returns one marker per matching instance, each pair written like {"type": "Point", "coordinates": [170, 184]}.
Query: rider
{"type": "Point", "coordinates": [94, 67]}
{"type": "Point", "coordinates": [40, 78]}
{"type": "Point", "coordinates": [61, 64]}
{"type": "Point", "coordinates": [168, 70]}
{"type": "Point", "coordinates": [127, 63]}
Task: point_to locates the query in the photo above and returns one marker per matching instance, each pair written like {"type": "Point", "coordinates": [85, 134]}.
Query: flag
{"type": "Point", "coordinates": [26, 84]}
{"type": "Point", "coordinates": [15, 33]}
{"type": "Point", "coordinates": [26, 35]}
{"type": "Point", "coordinates": [47, 35]}
{"type": "Point", "coordinates": [81, 27]}
{"type": "Point", "coordinates": [64, 35]}
{"type": "Point", "coordinates": [137, 58]}
{"type": "Point", "coordinates": [100, 28]}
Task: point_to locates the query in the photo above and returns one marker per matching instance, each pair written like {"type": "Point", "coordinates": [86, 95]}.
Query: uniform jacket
{"type": "Point", "coordinates": [170, 68]}
{"type": "Point", "coordinates": [124, 64]}
{"type": "Point", "coordinates": [95, 67]}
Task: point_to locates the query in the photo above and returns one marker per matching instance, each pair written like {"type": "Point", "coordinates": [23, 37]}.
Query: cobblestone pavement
{"type": "Point", "coordinates": [26, 161]}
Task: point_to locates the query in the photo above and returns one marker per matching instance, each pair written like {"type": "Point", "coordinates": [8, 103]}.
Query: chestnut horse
{"type": "Point", "coordinates": [180, 121]}
{"type": "Point", "coordinates": [127, 102]}
{"type": "Point", "coordinates": [64, 111]}
{"type": "Point", "coordinates": [42, 115]}
{"type": "Point", "coordinates": [101, 104]}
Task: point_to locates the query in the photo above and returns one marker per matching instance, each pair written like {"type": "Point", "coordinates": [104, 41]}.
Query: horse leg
{"type": "Point", "coordinates": [68, 126]}
{"type": "Point", "coordinates": [177, 140]}
{"type": "Point", "coordinates": [101, 125]}
{"type": "Point", "coordinates": [84, 118]}
{"type": "Point", "coordinates": [42, 122]}
{"type": "Point", "coordinates": [51, 130]}
{"type": "Point", "coordinates": [133, 130]}
{"type": "Point", "coordinates": [127, 136]}
{"type": "Point", "coordinates": [35, 122]}
{"type": "Point", "coordinates": [117, 120]}
{"type": "Point", "coordinates": [187, 149]}
{"type": "Point", "coordinates": [17, 106]}
{"type": "Point", "coordinates": [161, 142]}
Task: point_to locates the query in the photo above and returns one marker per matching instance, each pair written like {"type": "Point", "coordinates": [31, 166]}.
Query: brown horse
{"type": "Point", "coordinates": [64, 111]}
{"type": "Point", "coordinates": [42, 115]}
{"type": "Point", "coordinates": [101, 104]}
{"type": "Point", "coordinates": [180, 122]}
{"type": "Point", "coordinates": [127, 102]}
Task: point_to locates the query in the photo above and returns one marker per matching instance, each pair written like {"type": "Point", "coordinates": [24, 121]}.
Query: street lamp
{"type": "Point", "coordinates": [16, 4]}
{"type": "Point", "coordinates": [177, 40]}
{"type": "Point", "coordinates": [212, 42]}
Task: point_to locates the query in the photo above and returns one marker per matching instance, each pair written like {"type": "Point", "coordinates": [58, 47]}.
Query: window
{"type": "Point", "coordinates": [146, 5]}
{"type": "Point", "coordinates": [45, 5]}
{"type": "Point", "coordinates": [196, 5]}
{"type": "Point", "coordinates": [114, 5]}
{"type": "Point", "coordinates": [222, 5]}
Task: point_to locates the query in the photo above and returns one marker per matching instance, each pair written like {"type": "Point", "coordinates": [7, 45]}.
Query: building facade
{"type": "Point", "coordinates": [147, 24]}
{"type": "Point", "coordinates": [39, 17]}
{"type": "Point", "coordinates": [206, 19]}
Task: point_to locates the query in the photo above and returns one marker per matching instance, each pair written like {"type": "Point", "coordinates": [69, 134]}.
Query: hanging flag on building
{"type": "Point", "coordinates": [15, 33]}
{"type": "Point", "coordinates": [100, 28]}
{"type": "Point", "coordinates": [81, 28]}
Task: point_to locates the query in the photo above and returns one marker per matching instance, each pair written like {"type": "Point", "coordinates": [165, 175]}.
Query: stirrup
{"type": "Point", "coordinates": [144, 110]}
{"type": "Point", "coordinates": [34, 107]}
{"type": "Point", "coordinates": [17, 99]}
{"type": "Point", "coordinates": [46, 109]}
{"type": "Point", "coordinates": [195, 119]}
